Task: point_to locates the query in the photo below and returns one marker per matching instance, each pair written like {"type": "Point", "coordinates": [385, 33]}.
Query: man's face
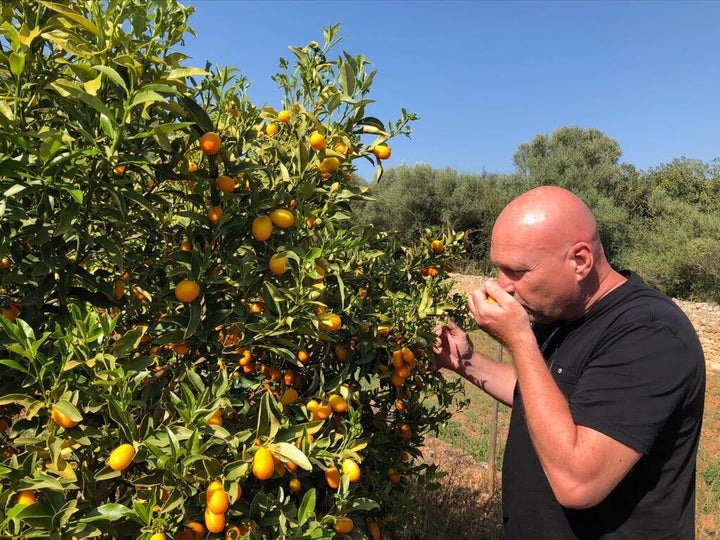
{"type": "Point", "coordinates": [537, 273]}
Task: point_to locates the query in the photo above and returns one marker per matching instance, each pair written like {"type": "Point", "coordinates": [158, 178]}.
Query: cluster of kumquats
{"type": "Point", "coordinates": [229, 354]}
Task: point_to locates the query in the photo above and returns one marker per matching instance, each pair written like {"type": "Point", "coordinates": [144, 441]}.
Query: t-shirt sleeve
{"type": "Point", "coordinates": [632, 384]}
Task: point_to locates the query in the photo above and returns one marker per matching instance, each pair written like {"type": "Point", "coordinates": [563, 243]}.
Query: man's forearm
{"type": "Point", "coordinates": [497, 380]}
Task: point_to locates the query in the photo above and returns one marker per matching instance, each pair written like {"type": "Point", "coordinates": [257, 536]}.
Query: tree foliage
{"type": "Point", "coordinates": [186, 301]}
{"type": "Point", "coordinates": [662, 222]}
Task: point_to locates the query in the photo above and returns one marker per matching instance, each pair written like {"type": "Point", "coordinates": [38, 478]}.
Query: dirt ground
{"type": "Point", "coordinates": [463, 508]}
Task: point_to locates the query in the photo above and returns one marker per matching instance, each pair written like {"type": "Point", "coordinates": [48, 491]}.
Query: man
{"type": "Point", "coordinates": [606, 384]}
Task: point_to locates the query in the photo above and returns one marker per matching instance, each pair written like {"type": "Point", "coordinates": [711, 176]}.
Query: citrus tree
{"type": "Point", "coordinates": [196, 338]}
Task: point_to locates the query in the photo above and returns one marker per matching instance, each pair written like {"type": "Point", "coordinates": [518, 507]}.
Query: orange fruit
{"type": "Point", "coordinates": [210, 143]}
{"type": "Point", "coordinates": [278, 264]}
{"type": "Point", "coordinates": [121, 457]}
{"type": "Point", "coordinates": [119, 289]}
{"type": "Point", "coordinates": [215, 420]}
{"type": "Point", "coordinates": [374, 530]}
{"type": "Point", "coordinates": [214, 213]}
{"type": "Point", "coordinates": [282, 218]}
{"type": "Point", "coordinates": [262, 228]}
{"type": "Point", "coordinates": [323, 411]}
{"type": "Point", "coordinates": [158, 536]}
{"type": "Point", "coordinates": [437, 246]}
{"type": "Point", "coordinates": [284, 116]}
{"type": "Point", "coordinates": [187, 290]}
{"type": "Point", "coordinates": [344, 525]}
{"type": "Point", "coordinates": [233, 532]}
{"type": "Point", "coordinates": [317, 141]}
{"type": "Point", "coordinates": [4, 263]}
{"type": "Point", "coordinates": [119, 170]}
{"type": "Point", "coordinates": [61, 420]}
{"type": "Point", "coordinates": [192, 167]}
{"type": "Point", "coordinates": [225, 184]}
{"type": "Point", "coordinates": [332, 477]}
{"type": "Point", "coordinates": [295, 485]}
{"type": "Point", "coordinates": [330, 323]}
{"type": "Point", "coordinates": [491, 300]}
{"type": "Point", "coordinates": [404, 431]}
{"type": "Point", "coordinates": [263, 464]}
{"type": "Point", "coordinates": [352, 469]}
{"type": "Point", "coordinates": [185, 534]}
{"type": "Point", "coordinates": [393, 475]}
{"type": "Point", "coordinates": [217, 501]}
{"type": "Point", "coordinates": [290, 396]}
{"type": "Point", "coordinates": [303, 356]}
{"type": "Point", "coordinates": [11, 312]}
{"type": "Point", "coordinates": [215, 523]}
{"type": "Point", "coordinates": [329, 165]}
{"type": "Point", "coordinates": [197, 528]}
{"type": "Point", "coordinates": [382, 151]}
{"type": "Point", "coordinates": [340, 147]}
{"type": "Point", "coordinates": [271, 129]}
{"type": "Point", "coordinates": [338, 403]}
{"type": "Point", "coordinates": [26, 496]}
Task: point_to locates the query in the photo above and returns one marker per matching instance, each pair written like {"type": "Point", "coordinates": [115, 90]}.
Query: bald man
{"type": "Point", "coordinates": [606, 384]}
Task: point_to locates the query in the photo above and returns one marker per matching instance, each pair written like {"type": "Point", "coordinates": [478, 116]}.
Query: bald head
{"type": "Point", "coordinates": [547, 249]}
{"type": "Point", "coordinates": [550, 214]}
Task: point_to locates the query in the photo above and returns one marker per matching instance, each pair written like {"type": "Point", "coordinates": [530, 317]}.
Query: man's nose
{"type": "Point", "coordinates": [506, 283]}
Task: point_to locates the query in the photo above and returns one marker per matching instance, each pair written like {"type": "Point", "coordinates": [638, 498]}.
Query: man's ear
{"type": "Point", "coordinates": [582, 256]}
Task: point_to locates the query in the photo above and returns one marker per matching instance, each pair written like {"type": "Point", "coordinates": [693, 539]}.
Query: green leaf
{"type": "Point", "coordinates": [17, 63]}
{"type": "Point", "coordinates": [181, 73]}
{"type": "Point", "coordinates": [113, 76]}
{"type": "Point", "coordinates": [347, 79]}
{"type": "Point", "coordinates": [75, 17]}
{"type": "Point", "coordinates": [69, 410]}
{"type": "Point", "coordinates": [129, 341]}
{"type": "Point", "coordinates": [107, 512]}
{"type": "Point", "coordinates": [292, 453]}
{"type": "Point", "coordinates": [307, 507]}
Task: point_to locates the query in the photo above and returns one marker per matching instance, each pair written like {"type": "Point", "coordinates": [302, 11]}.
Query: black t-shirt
{"type": "Point", "coordinates": [633, 369]}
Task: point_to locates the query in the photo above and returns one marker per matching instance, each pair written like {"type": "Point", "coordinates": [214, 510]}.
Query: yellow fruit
{"type": "Point", "coordinates": [278, 264]}
{"type": "Point", "coordinates": [317, 141]}
{"type": "Point", "coordinates": [284, 116]}
{"type": "Point", "coordinates": [271, 129]}
{"type": "Point", "coordinates": [215, 523]}
{"type": "Point", "coordinates": [329, 164]}
{"type": "Point", "coordinates": [121, 457]}
{"type": "Point", "coordinates": [352, 469]}
{"type": "Point", "coordinates": [330, 323]}
{"type": "Point", "coordinates": [215, 419]}
{"type": "Point", "coordinates": [210, 143]}
{"type": "Point", "coordinates": [382, 151]}
{"type": "Point", "coordinates": [282, 218]}
{"type": "Point", "coordinates": [262, 228]}
{"type": "Point", "coordinates": [332, 477]}
{"type": "Point", "coordinates": [26, 496]}
{"type": "Point", "coordinates": [61, 420]}
{"type": "Point", "coordinates": [187, 290]}
{"type": "Point", "coordinates": [263, 464]}
{"type": "Point", "coordinates": [158, 536]}
{"type": "Point", "coordinates": [437, 246]}
{"type": "Point", "coordinates": [338, 403]}
{"type": "Point", "coordinates": [343, 525]}
{"type": "Point", "coordinates": [225, 184]}
{"type": "Point", "coordinates": [217, 501]}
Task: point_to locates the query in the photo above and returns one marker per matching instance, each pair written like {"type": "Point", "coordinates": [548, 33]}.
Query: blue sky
{"type": "Point", "coordinates": [485, 77]}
